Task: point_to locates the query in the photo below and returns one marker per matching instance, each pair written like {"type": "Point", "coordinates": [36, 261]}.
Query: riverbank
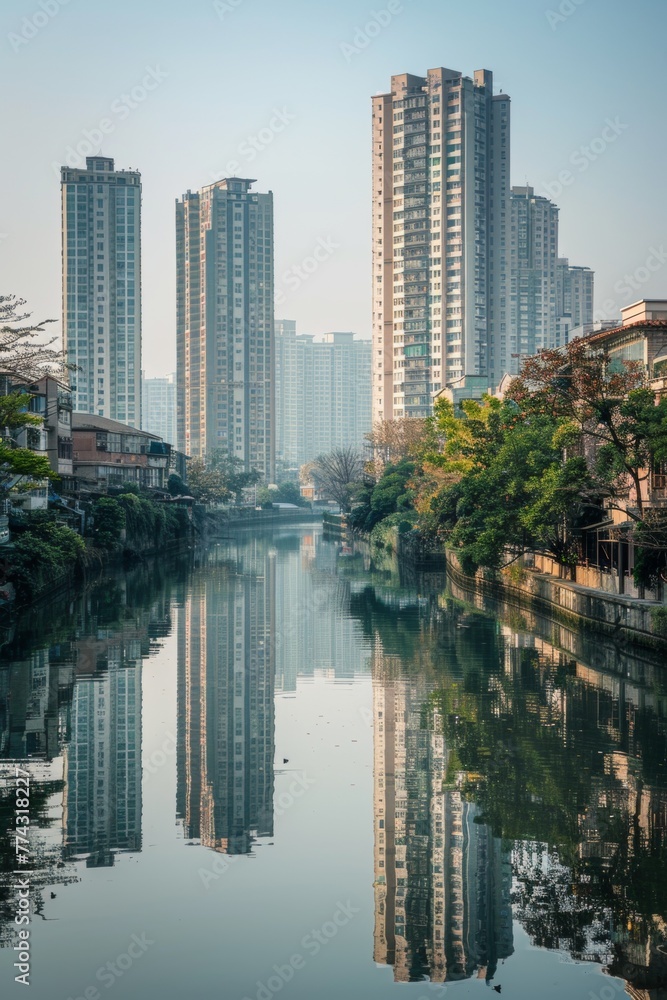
{"type": "Point", "coordinates": [47, 557]}
{"type": "Point", "coordinates": [625, 619]}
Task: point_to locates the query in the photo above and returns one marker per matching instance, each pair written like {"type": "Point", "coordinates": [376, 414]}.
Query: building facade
{"type": "Point", "coordinates": [108, 453]}
{"type": "Point", "coordinates": [533, 259]}
{"type": "Point", "coordinates": [575, 288]}
{"type": "Point", "coordinates": [549, 299]}
{"type": "Point", "coordinates": [323, 395]}
{"type": "Point", "coordinates": [101, 322]}
{"type": "Point", "coordinates": [441, 157]}
{"type": "Point", "coordinates": [51, 400]}
{"type": "Point", "coordinates": [158, 407]}
{"type": "Point", "coordinates": [225, 325]}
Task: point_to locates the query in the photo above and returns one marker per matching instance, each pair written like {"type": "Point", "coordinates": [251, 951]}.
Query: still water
{"type": "Point", "coordinates": [285, 771]}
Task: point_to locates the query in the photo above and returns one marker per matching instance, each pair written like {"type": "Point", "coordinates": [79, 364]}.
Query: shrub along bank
{"type": "Point", "coordinates": [44, 553]}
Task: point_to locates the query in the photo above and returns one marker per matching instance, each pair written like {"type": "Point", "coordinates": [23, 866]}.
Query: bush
{"type": "Point", "coordinates": [42, 556]}
{"type": "Point", "coordinates": [109, 521]}
{"type": "Point", "coordinates": [659, 621]}
{"type": "Point", "coordinates": [403, 520]}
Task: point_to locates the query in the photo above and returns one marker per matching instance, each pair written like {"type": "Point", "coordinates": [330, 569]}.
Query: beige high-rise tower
{"type": "Point", "coordinates": [225, 327]}
{"type": "Point", "coordinates": [441, 152]}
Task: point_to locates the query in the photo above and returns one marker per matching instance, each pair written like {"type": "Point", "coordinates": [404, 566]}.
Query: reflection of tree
{"type": "Point", "coordinates": [560, 758]}
{"type": "Point", "coordinates": [46, 865]}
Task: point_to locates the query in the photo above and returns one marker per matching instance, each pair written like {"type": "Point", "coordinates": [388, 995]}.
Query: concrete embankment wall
{"type": "Point", "coordinates": [624, 619]}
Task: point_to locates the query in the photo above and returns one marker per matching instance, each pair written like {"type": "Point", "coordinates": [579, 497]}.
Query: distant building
{"type": "Point", "coordinates": [101, 247]}
{"type": "Point", "coordinates": [574, 298]}
{"type": "Point", "coordinates": [225, 336]}
{"type": "Point", "coordinates": [548, 297]}
{"type": "Point", "coordinates": [158, 407]}
{"type": "Point", "coordinates": [468, 387]}
{"type": "Point", "coordinates": [108, 453]}
{"type": "Point", "coordinates": [323, 395]}
{"type": "Point", "coordinates": [533, 256]}
{"type": "Point", "coordinates": [441, 154]}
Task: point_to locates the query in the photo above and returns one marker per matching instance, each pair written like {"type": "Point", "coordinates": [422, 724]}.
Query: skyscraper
{"type": "Point", "coordinates": [574, 295]}
{"type": "Point", "coordinates": [441, 151]}
{"type": "Point", "coordinates": [533, 257]}
{"type": "Point", "coordinates": [225, 335]}
{"type": "Point", "coordinates": [158, 407]}
{"type": "Point", "coordinates": [101, 247]}
{"type": "Point", "coordinates": [548, 298]}
{"type": "Point", "coordinates": [323, 396]}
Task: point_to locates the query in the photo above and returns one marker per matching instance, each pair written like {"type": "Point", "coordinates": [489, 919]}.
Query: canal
{"type": "Point", "coordinates": [281, 769]}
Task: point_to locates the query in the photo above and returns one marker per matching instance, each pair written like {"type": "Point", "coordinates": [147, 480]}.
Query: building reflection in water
{"type": "Point", "coordinates": [226, 668]}
{"type": "Point", "coordinates": [102, 768]}
{"type": "Point", "coordinates": [442, 880]}
{"type": "Point", "coordinates": [315, 635]}
{"type": "Point", "coordinates": [102, 801]}
{"type": "Point", "coordinates": [34, 695]}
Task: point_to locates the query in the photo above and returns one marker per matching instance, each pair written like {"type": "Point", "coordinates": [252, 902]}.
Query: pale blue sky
{"type": "Point", "coordinates": [228, 70]}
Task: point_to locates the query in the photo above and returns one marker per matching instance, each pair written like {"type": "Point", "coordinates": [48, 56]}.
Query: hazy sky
{"type": "Point", "coordinates": [296, 76]}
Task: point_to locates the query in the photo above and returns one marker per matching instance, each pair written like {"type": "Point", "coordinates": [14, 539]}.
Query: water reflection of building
{"type": "Point", "coordinates": [102, 799]}
{"type": "Point", "coordinates": [315, 634]}
{"type": "Point", "coordinates": [33, 705]}
{"type": "Point", "coordinates": [225, 702]}
{"type": "Point", "coordinates": [442, 881]}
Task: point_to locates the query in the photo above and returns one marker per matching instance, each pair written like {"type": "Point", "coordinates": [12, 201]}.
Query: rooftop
{"type": "Point", "coordinates": [89, 422]}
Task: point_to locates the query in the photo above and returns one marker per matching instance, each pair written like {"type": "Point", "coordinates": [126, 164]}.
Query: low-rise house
{"type": "Point", "coordinates": [108, 453]}
{"type": "Point", "coordinates": [643, 337]}
{"type": "Point", "coordinates": [52, 401]}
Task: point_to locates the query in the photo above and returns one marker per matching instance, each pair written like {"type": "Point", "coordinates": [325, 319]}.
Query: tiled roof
{"type": "Point", "coordinates": [641, 324]}
{"type": "Point", "coordinates": [89, 422]}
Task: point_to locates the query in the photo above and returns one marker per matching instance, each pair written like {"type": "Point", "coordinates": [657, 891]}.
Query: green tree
{"type": "Point", "coordinates": [109, 522]}
{"type": "Point", "coordinates": [235, 477]}
{"type": "Point", "coordinates": [611, 407]}
{"type": "Point", "coordinates": [391, 494]}
{"type": "Point", "coordinates": [506, 484]}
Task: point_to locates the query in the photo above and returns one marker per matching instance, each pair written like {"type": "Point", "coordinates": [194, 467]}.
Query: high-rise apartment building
{"type": "Point", "coordinates": [533, 256]}
{"type": "Point", "coordinates": [158, 407]}
{"type": "Point", "coordinates": [289, 398]}
{"type": "Point", "coordinates": [225, 335]}
{"type": "Point", "coordinates": [574, 296]}
{"type": "Point", "coordinates": [323, 395]}
{"type": "Point", "coordinates": [441, 159]}
{"type": "Point", "coordinates": [101, 248]}
{"type": "Point", "coordinates": [548, 298]}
